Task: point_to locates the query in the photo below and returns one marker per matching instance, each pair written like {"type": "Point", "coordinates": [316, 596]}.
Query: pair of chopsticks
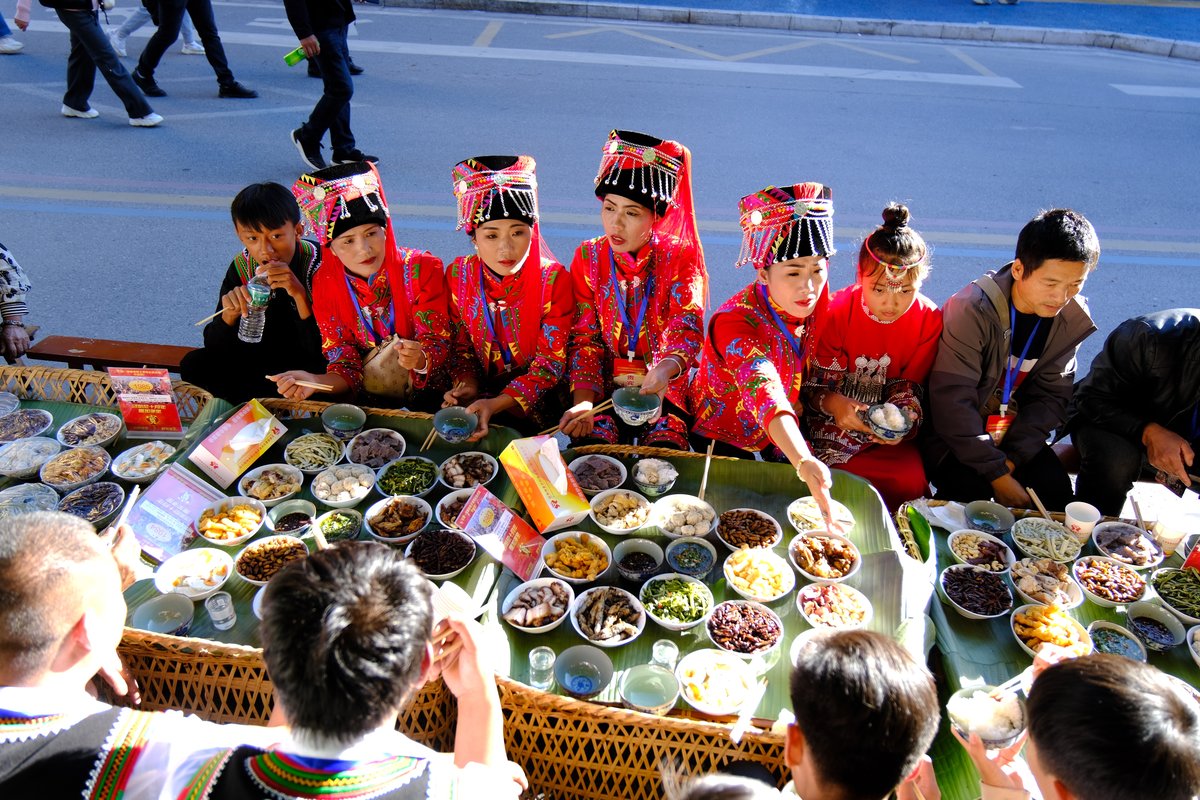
{"type": "Point", "coordinates": [743, 721]}
{"type": "Point", "coordinates": [605, 406]}
{"type": "Point", "coordinates": [1037, 501]}
{"type": "Point", "coordinates": [707, 463]}
{"type": "Point", "coordinates": [320, 387]}
{"type": "Point", "coordinates": [216, 313]}
{"type": "Point", "coordinates": [441, 653]}
{"type": "Point", "coordinates": [428, 440]}
{"type": "Point", "coordinates": [1010, 685]}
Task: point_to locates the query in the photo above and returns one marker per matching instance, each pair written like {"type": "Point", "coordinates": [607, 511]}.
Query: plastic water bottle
{"type": "Point", "coordinates": [255, 319]}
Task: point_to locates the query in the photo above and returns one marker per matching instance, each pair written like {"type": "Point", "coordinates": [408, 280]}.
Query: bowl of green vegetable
{"type": "Point", "coordinates": [339, 525]}
{"type": "Point", "coordinates": [407, 475]}
{"type": "Point", "coordinates": [676, 602]}
{"type": "Point", "coordinates": [1179, 591]}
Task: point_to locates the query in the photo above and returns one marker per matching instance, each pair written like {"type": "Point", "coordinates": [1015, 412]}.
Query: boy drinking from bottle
{"type": "Point", "coordinates": [231, 364]}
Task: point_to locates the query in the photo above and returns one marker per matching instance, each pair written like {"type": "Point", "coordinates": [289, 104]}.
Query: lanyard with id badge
{"type": "Point", "coordinates": [505, 354]}
{"type": "Point", "coordinates": [795, 343]}
{"type": "Point", "coordinates": [630, 371]}
{"type": "Point", "coordinates": [998, 424]}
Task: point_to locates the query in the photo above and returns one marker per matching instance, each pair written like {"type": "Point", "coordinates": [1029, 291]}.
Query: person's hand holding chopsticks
{"type": "Point", "coordinates": [296, 384]}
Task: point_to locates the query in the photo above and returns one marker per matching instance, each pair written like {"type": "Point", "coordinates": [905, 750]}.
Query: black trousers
{"type": "Point", "coordinates": [1044, 473]}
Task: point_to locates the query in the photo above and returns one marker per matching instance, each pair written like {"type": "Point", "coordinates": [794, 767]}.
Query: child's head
{"type": "Point", "coordinates": [866, 712]}
{"type": "Point", "coordinates": [1105, 727]}
{"type": "Point", "coordinates": [893, 262]}
{"type": "Point", "coordinates": [267, 221]}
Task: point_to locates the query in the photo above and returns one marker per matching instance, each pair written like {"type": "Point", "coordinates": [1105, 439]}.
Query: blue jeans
{"type": "Point", "coordinates": [332, 111]}
{"type": "Point", "coordinates": [141, 16]}
{"type": "Point", "coordinates": [4, 29]}
{"type": "Point", "coordinates": [90, 50]}
{"type": "Point", "coordinates": [170, 18]}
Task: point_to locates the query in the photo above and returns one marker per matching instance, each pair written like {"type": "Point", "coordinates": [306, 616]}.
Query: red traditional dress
{"type": "Point", "coordinates": [404, 298]}
{"type": "Point", "coordinates": [873, 362]}
{"type": "Point", "coordinates": [512, 330]}
{"type": "Point", "coordinates": [752, 368]}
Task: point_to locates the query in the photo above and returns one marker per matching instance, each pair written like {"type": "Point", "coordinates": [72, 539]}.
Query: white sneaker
{"type": "Point", "coordinates": [149, 121]}
{"type": "Point", "coordinates": [90, 113]}
{"type": "Point", "coordinates": [10, 46]}
{"type": "Point", "coordinates": [118, 44]}
{"type": "Point", "coordinates": [192, 49]}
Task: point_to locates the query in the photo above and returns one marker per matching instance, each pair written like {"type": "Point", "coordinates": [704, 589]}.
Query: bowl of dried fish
{"type": "Point", "coordinates": [1045, 581]}
{"type": "Point", "coordinates": [271, 484]}
{"type": "Point", "coordinates": [1128, 544]}
{"type": "Point", "coordinates": [97, 502]}
{"type": "Point", "coordinates": [97, 429]}
{"type": "Point", "coordinates": [607, 616]}
{"type": "Point", "coordinates": [74, 468]}
{"type": "Point", "coordinates": [23, 423]}
{"type": "Point", "coordinates": [539, 605]}
{"type": "Point", "coordinates": [396, 520]}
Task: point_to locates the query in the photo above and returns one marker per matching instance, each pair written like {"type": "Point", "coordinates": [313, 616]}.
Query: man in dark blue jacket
{"type": "Point", "coordinates": [322, 26]}
{"type": "Point", "coordinates": [1139, 406]}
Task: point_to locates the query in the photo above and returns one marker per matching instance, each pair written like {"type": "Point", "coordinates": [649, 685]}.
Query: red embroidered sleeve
{"type": "Point", "coordinates": [431, 315]}
{"type": "Point", "coordinates": [587, 348]}
{"type": "Point", "coordinates": [747, 349]}
{"type": "Point", "coordinates": [339, 342]}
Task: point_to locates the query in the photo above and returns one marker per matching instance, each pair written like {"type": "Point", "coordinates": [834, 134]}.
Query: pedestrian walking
{"type": "Point", "coordinates": [322, 26]}
{"type": "Point", "coordinates": [91, 50]}
{"type": "Point", "coordinates": [140, 16]}
{"type": "Point", "coordinates": [9, 44]}
{"type": "Point", "coordinates": [170, 19]}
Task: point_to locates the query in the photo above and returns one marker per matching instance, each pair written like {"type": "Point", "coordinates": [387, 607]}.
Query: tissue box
{"type": "Point", "coordinates": [548, 489]}
{"type": "Point", "coordinates": [229, 451]}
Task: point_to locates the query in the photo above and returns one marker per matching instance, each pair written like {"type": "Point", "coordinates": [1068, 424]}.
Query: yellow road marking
{"type": "Point", "coordinates": [580, 32]}
{"type": "Point", "coordinates": [447, 211]}
{"type": "Point", "coordinates": [489, 33]}
{"type": "Point", "coordinates": [860, 49]}
{"type": "Point", "coordinates": [970, 62]}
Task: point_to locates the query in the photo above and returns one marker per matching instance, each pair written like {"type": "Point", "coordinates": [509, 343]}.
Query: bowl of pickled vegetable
{"type": "Point", "coordinates": [1109, 637]}
{"type": "Point", "coordinates": [408, 475]}
{"type": "Point", "coordinates": [676, 602]}
{"type": "Point", "coordinates": [1179, 590]}
{"type": "Point", "coordinates": [339, 525]}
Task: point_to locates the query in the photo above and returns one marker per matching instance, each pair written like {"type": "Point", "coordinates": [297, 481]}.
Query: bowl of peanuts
{"type": "Point", "coordinates": [258, 562]}
{"type": "Point", "coordinates": [748, 527]}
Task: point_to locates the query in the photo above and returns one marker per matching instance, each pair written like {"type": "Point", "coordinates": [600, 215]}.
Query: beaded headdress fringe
{"type": "Point", "coordinates": [656, 173]}
{"type": "Point", "coordinates": [313, 194]}
{"type": "Point", "coordinates": [768, 215]}
{"type": "Point", "coordinates": [475, 187]}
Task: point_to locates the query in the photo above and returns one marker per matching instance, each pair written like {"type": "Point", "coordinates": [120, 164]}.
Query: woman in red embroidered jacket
{"type": "Point", "coordinates": [876, 345]}
{"type": "Point", "coordinates": [510, 303]}
{"type": "Point", "coordinates": [746, 392]}
{"type": "Point", "coordinates": [381, 308]}
{"type": "Point", "coordinates": [639, 290]}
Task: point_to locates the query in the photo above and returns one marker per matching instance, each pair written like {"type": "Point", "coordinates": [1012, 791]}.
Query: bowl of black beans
{"type": "Point", "coordinates": [441, 554]}
{"type": "Point", "coordinates": [976, 592]}
{"type": "Point", "coordinates": [637, 559]}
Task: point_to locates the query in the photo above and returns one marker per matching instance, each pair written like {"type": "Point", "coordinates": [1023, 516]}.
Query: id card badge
{"type": "Point", "coordinates": [998, 425]}
{"type": "Point", "coordinates": [629, 372]}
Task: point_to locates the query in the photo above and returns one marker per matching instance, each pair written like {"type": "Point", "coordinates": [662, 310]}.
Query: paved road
{"type": "Point", "coordinates": [125, 232]}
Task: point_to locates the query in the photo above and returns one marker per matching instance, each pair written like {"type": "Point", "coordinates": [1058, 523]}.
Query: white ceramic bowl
{"type": "Point", "coordinates": [764, 557]}
{"type": "Point", "coordinates": [492, 462]}
{"type": "Point", "coordinates": [394, 435]}
{"type": "Point", "coordinates": [814, 589]}
{"type": "Point", "coordinates": [679, 544]}
{"type": "Point", "coordinates": [1095, 598]}
{"type": "Point", "coordinates": [31, 452]}
{"type": "Point", "coordinates": [228, 504]}
{"type": "Point", "coordinates": [1080, 631]}
{"type": "Point", "coordinates": [714, 682]}
{"type": "Point", "coordinates": [607, 459]}
{"type": "Point", "coordinates": [538, 583]}
{"type": "Point", "coordinates": [776, 539]}
{"type": "Point", "coordinates": [444, 576]}
{"type": "Point", "coordinates": [291, 507]}
{"type": "Point", "coordinates": [384, 469]}
{"type": "Point", "coordinates": [804, 515]}
{"type": "Point", "coordinates": [1193, 643]}
{"type": "Point", "coordinates": [636, 544]}
{"type": "Point", "coordinates": [377, 508]}
{"type": "Point", "coordinates": [1155, 612]}
{"type": "Point", "coordinates": [102, 441]}
{"type": "Point", "coordinates": [1036, 527]}
{"type": "Point", "coordinates": [601, 497]}
{"type": "Point", "coordinates": [293, 474]}
{"type": "Point", "coordinates": [551, 543]}
{"type": "Point", "coordinates": [237, 562]}
{"type": "Point", "coordinates": [670, 624]}
{"type": "Point", "coordinates": [824, 535]}
{"type": "Point", "coordinates": [1188, 619]}
{"type": "Point", "coordinates": [328, 477]}
{"type": "Point", "coordinates": [666, 507]}
{"type": "Point", "coordinates": [457, 494]}
{"type": "Point", "coordinates": [1074, 591]}
{"type": "Point", "coordinates": [213, 564]}
{"type": "Point", "coordinates": [39, 421]}
{"type": "Point", "coordinates": [122, 463]}
{"type": "Point", "coordinates": [1103, 624]}
{"type": "Point", "coordinates": [712, 617]}
{"type": "Point", "coordinates": [85, 499]}
{"type": "Point", "coordinates": [633, 602]}
{"type": "Point", "coordinates": [992, 744]}
{"type": "Point", "coordinates": [1007, 553]}
{"type": "Point", "coordinates": [312, 469]}
{"type": "Point", "coordinates": [962, 610]}
{"type": "Point", "coordinates": [256, 605]}
{"type": "Point", "coordinates": [320, 522]}
{"type": "Point", "coordinates": [1105, 527]}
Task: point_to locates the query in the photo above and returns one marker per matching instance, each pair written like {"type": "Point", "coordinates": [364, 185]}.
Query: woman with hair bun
{"type": "Point", "coordinates": [876, 346]}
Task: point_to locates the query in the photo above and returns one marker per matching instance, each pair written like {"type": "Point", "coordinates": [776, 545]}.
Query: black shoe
{"type": "Point", "coordinates": [237, 90]}
{"type": "Point", "coordinates": [355, 69]}
{"type": "Point", "coordinates": [314, 71]}
{"type": "Point", "coordinates": [148, 86]}
{"type": "Point", "coordinates": [310, 152]}
{"type": "Point", "coordinates": [353, 157]}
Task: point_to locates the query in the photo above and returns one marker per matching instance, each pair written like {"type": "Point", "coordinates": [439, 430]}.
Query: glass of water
{"type": "Point", "coordinates": [541, 668]}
